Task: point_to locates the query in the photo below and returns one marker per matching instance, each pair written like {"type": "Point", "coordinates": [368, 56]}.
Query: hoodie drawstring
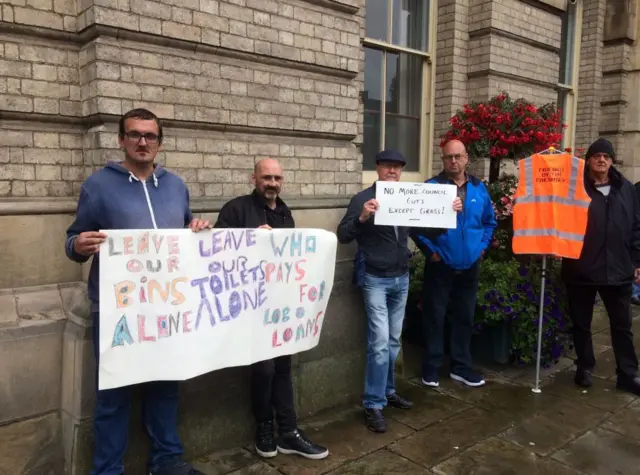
{"type": "Point", "coordinates": [146, 194]}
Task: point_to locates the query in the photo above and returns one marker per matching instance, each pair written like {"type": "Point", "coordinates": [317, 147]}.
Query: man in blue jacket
{"type": "Point", "coordinates": [451, 270]}
{"type": "Point", "coordinates": [135, 193]}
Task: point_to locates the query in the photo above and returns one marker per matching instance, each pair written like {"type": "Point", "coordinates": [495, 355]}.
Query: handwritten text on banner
{"type": "Point", "coordinates": [415, 204]}
{"type": "Point", "coordinates": [176, 304]}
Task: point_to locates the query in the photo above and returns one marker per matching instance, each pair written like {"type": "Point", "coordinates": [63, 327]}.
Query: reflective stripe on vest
{"type": "Point", "coordinates": [573, 185]}
{"type": "Point", "coordinates": [548, 232]}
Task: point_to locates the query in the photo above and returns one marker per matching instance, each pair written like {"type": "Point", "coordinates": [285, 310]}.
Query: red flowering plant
{"type": "Point", "coordinates": [502, 128]}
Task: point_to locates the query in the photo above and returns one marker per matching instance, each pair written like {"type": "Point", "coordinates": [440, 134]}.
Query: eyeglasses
{"type": "Point", "coordinates": [458, 157]}
{"type": "Point", "coordinates": [136, 136]}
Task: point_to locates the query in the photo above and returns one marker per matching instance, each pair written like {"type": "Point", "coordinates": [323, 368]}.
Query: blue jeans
{"type": "Point", "coordinates": [385, 299]}
{"type": "Point", "coordinates": [636, 290]}
{"type": "Point", "coordinates": [111, 422]}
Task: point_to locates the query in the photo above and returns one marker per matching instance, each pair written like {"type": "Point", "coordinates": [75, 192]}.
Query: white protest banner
{"type": "Point", "coordinates": [176, 304]}
{"type": "Point", "coordinates": [422, 205]}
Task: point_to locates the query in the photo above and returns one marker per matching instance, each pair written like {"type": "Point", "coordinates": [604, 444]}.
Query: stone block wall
{"type": "Point", "coordinates": [619, 99]}
{"type": "Point", "coordinates": [236, 81]}
{"type": "Point", "coordinates": [233, 81]}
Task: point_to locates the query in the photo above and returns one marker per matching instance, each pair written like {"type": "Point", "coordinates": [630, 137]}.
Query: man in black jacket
{"type": "Point", "coordinates": [271, 384]}
{"type": "Point", "coordinates": [383, 265]}
{"type": "Point", "coordinates": [609, 264]}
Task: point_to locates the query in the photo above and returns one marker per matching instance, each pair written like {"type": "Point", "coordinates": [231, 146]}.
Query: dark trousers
{"type": "Point", "coordinates": [617, 301]}
{"type": "Point", "coordinates": [440, 283]}
{"type": "Point", "coordinates": [272, 389]}
{"type": "Point", "coordinates": [111, 422]}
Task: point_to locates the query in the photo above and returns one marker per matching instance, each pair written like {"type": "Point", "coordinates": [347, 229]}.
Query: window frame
{"type": "Point", "coordinates": [427, 107]}
{"type": "Point", "coordinates": [569, 105]}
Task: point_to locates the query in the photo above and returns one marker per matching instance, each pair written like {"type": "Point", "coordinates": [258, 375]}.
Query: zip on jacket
{"type": "Point", "coordinates": [460, 248]}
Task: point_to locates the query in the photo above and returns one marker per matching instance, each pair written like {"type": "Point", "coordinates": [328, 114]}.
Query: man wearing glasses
{"type": "Point", "coordinates": [135, 193]}
{"type": "Point", "coordinates": [451, 270]}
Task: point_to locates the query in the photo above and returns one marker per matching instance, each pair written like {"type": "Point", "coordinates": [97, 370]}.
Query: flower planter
{"type": "Point", "coordinates": [492, 344]}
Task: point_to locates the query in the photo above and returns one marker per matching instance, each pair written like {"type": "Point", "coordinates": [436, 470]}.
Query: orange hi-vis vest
{"type": "Point", "coordinates": [551, 206]}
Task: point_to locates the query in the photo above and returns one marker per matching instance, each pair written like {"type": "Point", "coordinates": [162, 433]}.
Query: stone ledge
{"type": "Point", "coordinates": [338, 5]}
{"type": "Point", "coordinates": [39, 305]}
{"type": "Point", "coordinates": [95, 120]}
{"type": "Point", "coordinates": [38, 206]}
{"type": "Point", "coordinates": [95, 31]}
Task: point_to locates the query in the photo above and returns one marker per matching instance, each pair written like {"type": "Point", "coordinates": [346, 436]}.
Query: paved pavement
{"type": "Point", "coordinates": [499, 429]}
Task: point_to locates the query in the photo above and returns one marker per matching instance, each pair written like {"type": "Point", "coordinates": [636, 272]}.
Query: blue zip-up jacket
{"type": "Point", "coordinates": [461, 247]}
{"type": "Point", "coordinates": [113, 198]}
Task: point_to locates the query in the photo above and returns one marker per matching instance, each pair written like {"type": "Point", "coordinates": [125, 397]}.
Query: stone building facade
{"type": "Point", "coordinates": [318, 84]}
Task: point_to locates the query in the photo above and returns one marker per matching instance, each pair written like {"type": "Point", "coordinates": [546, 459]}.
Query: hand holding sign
{"type": "Point", "coordinates": [87, 244]}
{"type": "Point", "coordinates": [368, 209]}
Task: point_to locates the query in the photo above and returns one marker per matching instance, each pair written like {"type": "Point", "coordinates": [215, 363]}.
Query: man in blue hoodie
{"type": "Point", "coordinates": [135, 193]}
{"type": "Point", "coordinates": [451, 270]}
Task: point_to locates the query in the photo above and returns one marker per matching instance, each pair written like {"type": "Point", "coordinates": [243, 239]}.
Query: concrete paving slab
{"type": "Point", "coordinates": [600, 319]}
{"type": "Point", "coordinates": [225, 462]}
{"type": "Point", "coordinates": [543, 433]}
{"type": "Point", "coordinates": [381, 462]}
{"type": "Point", "coordinates": [626, 422]}
{"type": "Point", "coordinates": [347, 439]}
{"type": "Point", "coordinates": [515, 400]}
{"type": "Point", "coordinates": [429, 407]}
{"type": "Point", "coordinates": [603, 394]}
{"type": "Point", "coordinates": [601, 452]}
{"type": "Point", "coordinates": [605, 365]}
{"type": "Point", "coordinates": [495, 456]}
{"type": "Point", "coordinates": [440, 441]}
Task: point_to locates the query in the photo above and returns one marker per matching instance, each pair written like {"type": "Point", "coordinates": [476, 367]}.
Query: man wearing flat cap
{"type": "Point", "coordinates": [382, 271]}
{"type": "Point", "coordinates": [608, 265]}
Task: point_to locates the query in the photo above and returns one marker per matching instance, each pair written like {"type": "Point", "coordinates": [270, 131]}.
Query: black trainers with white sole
{"type": "Point", "coordinates": [265, 442]}
{"type": "Point", "coordinates": [468, 377]}
{"type": "Point", "coordinates": [296, 442]}
{"type": "Point", "coordinates": [430, 377]}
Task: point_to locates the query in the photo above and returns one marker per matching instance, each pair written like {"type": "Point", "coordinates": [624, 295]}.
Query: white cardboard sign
{"type": "Point", "coordinates": [175, 304]}
{"type": "Point", "coordinates": [422, 205]}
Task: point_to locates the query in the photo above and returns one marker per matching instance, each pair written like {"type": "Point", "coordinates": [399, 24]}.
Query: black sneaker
{"type": "Point", "coordinates": [399, 402]}
{"type": "Point", "coordinates": [583, 378]}
{"type": "Point", "coordinates": [374, 420]}
{"type": "Point", "coordinates": [296, 443]}
{"type": "Point", "coordinates": [630, 385]}
{"type": "Point", "coordinates": [635, 300]}
{"type": "Point", "coordinates": [177, 468]}
{"type": "Point", "coordinates": [468, 377]}
{"type": "Point", "coordinates": [265, 443]}
{"type": "Point", "coordinates": [430, 377]}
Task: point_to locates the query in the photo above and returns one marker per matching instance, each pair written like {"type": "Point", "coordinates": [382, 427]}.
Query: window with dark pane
{"type": "Point", "coordinates": [410, 23]}
{"type": "Point", "coordinates": [372, 100]}
{"type": "Point", "coordinates": [567, 47]}
{"type": "Point", "coordinates": [403, 100]}
{"type": "Point", "coordinates": [376, 20]}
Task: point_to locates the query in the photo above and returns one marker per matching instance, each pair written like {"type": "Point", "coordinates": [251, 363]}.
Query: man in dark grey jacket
{"type": "Point", "coordinates": [382, 266]}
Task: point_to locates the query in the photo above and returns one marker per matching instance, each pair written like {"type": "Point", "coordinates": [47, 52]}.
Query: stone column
{"type": "Point", "coordinates": [620, 102]}
{"type": "Point", "coordinates": [590, 79]}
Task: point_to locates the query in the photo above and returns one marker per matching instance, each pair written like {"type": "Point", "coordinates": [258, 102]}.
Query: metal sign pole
{"type": "Point", "coordinates": [537, 389]}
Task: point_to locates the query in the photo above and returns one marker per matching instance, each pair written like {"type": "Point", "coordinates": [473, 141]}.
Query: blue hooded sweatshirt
{"type": "Point", "coordinates": [113, 198]}
{"type": "Point", "coordinates": [461, 247]}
